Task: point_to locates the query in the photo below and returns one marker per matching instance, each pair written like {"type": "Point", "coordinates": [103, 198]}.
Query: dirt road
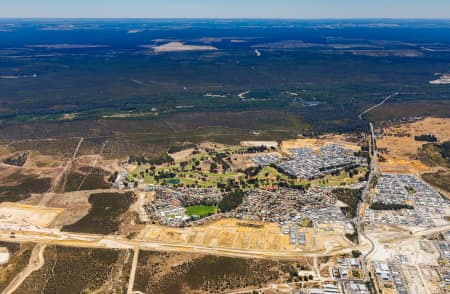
{"type": "Point", "coordinates": [133, 271]}
{"type": "Point", "coordinates": [378, 105]}
{"type": "Point", "coordinates": [94, 163]}
{"type": "Point", "coordinates": [61, 177]}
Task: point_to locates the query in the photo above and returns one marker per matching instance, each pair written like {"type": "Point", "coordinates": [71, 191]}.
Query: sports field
{"type": "Point", "coordinates": [201, 210]}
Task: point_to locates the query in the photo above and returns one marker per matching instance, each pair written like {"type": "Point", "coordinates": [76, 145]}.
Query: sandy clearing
{"type": "Point", "coordinates": [27, 214]}
{"type": "Point", "coordinates": [181, 155]}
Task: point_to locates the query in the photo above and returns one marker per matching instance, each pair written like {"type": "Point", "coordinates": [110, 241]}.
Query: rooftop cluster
{"type": "Point", "coordinates": [444, 250]}
{"type": "Point", "coordinates": [390, 273]}
{"type": "Point", "coordinates": [390, 190]}
{"type": "Point", "coordinates": [349, 268]}
{"type": "Point", "coordinates": [306, 164]}
{"type": "Point", "coordinates": [288, 206]}
{"type": "Point", "coordinates": [266, 160]}
{"type": "Point", "coordinates": [429, 208]}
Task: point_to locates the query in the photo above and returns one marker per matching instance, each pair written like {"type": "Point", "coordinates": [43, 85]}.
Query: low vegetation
{"type": "Point", "coordinates": [178, 148]}
{"type": "Point", "coordinates": [181, 273]}
{"type": "Point", "coordinates": [393, 206]}
{"type": "Point", "coordinates": [435, 154]}
{"type": "Point", "coordinates": [157, 160]}
{"type": "Point", "coordinates": [71, 270]}
{"type": "Point", "coordinates": [19, 257]}
{"type": "Point", "coordinates": [27, 185]}
{"type": "Point", "coordinates": [231, 201]}
{"type": "Point", "coordinates": [18, 159]}
{"type": "Point", "coordinates": [306, 223]}
{"type": "Point", "coordinates": [90, 179]}
{"type": "Point", "coordinates": [440, 179]}
{"type": "Point", "coordinates": [426, 138]}
{"type": "Point", "coordinates": [351, 197]}
{"type": "Point", "coordinates": [105, 214]}
{"type": "Point", "coordinates": [356, 253]}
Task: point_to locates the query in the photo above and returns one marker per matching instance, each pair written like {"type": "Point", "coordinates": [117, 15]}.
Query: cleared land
{"type": "Point", "coordinates": [28, 215]}
{"type": "Point", "coordinates": [239, 234]}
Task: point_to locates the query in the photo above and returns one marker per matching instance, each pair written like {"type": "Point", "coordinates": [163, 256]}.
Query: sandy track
{"type": "Point", "coordinates": [133, 271]}
{"type": "Point", "coordinates": [94, 163]}
{"type": "Point", "coordinates": [61, 177]}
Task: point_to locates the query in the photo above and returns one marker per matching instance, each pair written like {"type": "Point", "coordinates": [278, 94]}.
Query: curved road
{"type": "Point", "coordinates": [373, 171]}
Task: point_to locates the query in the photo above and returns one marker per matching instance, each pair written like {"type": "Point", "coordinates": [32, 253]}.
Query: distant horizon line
{"type": "Point", "coordinates": [221, 18]}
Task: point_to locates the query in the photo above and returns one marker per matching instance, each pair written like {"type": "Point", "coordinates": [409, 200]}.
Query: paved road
{"type": "Point", "coordinates": [366, 190]}
{"type": "Point", "coordinates": [55, 237]}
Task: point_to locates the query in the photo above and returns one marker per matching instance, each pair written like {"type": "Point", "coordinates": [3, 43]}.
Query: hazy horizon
{"type": "Point", "coordinates": [232, 9]}
{"type": "Point", "coordinates": [227, 18]}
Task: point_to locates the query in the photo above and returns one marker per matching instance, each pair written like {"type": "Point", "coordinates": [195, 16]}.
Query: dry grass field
{"type": "Point", "coordinates": [317, 143]}
{"type": "Point", "coordinates": [401, 155]}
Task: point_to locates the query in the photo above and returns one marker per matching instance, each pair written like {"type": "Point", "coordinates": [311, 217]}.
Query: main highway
{"type": "Point", "coordinates": [14, 233]}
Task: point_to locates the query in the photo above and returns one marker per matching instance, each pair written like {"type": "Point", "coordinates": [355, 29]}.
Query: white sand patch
{"type": "Point", "coordinates": [180, 47]}
{"type": "Point", "coordinates": [4, 255]}
{"type": "Point", "coordinates": [135, 31]}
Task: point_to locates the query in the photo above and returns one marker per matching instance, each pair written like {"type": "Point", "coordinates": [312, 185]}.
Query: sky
{"type": "Point", "coordinates": [295, 9]}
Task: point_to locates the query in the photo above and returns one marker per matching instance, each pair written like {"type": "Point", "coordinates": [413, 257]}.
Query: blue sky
{"type": "Point", "coordinates": [227, 8]}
